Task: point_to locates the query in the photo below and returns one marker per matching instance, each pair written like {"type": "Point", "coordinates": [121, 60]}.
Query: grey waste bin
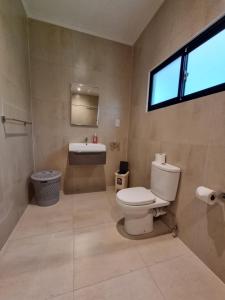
{"type": "Point", "coordinates": [46, 186]}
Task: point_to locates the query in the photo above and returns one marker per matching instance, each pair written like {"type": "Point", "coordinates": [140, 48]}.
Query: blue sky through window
{"type": "Point", "coordinates": [166, 82]}
{"type": "Point", "coordinates": [206, 65]}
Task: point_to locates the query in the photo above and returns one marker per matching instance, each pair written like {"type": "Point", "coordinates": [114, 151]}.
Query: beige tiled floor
{"type": "Point", "coordinates": [72, 250]}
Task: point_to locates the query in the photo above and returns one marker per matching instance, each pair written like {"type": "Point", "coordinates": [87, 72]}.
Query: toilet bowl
{"type": "Point", "coordinates": [139, 204]}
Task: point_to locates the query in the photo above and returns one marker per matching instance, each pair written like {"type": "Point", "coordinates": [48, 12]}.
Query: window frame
{"type": "Point", "coordinates": [200, 39]}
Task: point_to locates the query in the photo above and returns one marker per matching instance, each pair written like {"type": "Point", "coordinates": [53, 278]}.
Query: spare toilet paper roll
{"type": "Point", "coordinates": [160, 158]}
{"type": "Point", "coordinates": [206, 195]}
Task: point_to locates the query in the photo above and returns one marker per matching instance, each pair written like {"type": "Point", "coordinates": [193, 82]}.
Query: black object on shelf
{"type": "Point", "coordinates": [124, 167]}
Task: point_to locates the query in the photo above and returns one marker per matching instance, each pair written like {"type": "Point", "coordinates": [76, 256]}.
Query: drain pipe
{"type": "Point", "coordinates": [158, 212]}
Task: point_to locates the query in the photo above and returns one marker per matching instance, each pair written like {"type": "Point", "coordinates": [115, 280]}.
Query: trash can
{"type": "Point", "coordinates": [121, 176]}
{"type": "Point", "coordinates": [121, 181]}
{"type": "Point", "coordinates": [46, 187]}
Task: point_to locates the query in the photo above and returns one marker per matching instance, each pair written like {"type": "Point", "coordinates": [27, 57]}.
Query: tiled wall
{"type": "Point", "coordinates": [16, 161]}
{"type": "Point", "coordinates": [192, 134]}
{"type": "Point", "coordinates": [60, 57]}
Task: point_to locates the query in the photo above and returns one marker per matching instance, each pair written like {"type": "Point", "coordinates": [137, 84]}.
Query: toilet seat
{"type": "Point", "coordinates": [136, 196]}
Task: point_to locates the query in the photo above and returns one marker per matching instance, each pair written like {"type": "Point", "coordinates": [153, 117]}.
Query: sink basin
{"type": "Point", "coordinates": [89, 147]}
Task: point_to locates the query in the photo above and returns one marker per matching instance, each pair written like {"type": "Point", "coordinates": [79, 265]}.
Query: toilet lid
{"type": "Point", "coordinates": [136, 196]}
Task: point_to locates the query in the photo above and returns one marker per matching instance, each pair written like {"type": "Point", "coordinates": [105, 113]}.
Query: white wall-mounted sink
{"type": "Point", "coordinates": [89, 147]}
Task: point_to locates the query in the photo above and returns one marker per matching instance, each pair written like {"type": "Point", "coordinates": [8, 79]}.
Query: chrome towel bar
{"type": "Point", "coordinates": [5, 119]}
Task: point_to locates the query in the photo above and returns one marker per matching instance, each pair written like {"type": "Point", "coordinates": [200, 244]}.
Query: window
{"type": "Point", "coordinates": [196, 70]}
{"type": "Point", "coordinates": [206, 65]}
{"type": "Point", "coordinates": [165, 83]}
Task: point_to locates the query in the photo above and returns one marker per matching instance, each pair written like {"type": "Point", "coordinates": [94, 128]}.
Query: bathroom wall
{"type": "Point", "coordinates": [16, 161]}
{"type": "Point", "coordinates": [192, 134]}
{"type": "Point", "coordinates": [58, 58]}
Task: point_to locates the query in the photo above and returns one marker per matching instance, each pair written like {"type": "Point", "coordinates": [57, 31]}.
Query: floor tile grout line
{"type": "Point", "coordinates": [168, 260]}
{"type": "Point", "coordinates": [141, 256]}
{"type": "Point", "coordinates": [53, 232]}
{"type": "Point", "coordinates": [42, 264]}
{"type": "Point", "coordinates": [156, 283]}
{"type": "Point", "coordinates": [160, 261]}
{"type": "Point", "coordinates": [91, 226]}
{"type": "Point", "coordinates": [58, 295]}
{"type": "Point", "coordinates": [111, 278]}
{"type": "Point", "coordinates": [98, 229]}
{"type": "Point", "coordinates": [38, 235]}
{"type": "Point", "coordinates": [11, 238]}
{"type": "Point", "coordinates": [98, 254]}
{"type": "Point", "coordinates": [152, 276]}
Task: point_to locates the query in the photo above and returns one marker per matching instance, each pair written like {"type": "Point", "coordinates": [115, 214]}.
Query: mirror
{"type": "Point", "coordinates": [84, 105]}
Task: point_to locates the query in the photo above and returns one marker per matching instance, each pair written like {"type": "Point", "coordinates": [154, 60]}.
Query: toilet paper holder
{"type": "Point", "coordinates": [220, 196]}
{"type": "Point", "coordinates": [209, 196]}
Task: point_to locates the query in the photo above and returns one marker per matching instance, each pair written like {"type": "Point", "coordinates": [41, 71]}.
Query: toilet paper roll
{"type": "Point", "coordinates": [206, 195]}
{"type": "Point", "coordinates": [160, 158]}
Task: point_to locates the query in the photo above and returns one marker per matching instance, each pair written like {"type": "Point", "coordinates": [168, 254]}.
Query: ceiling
{"type": "Point", "coordinates": [118, 20]}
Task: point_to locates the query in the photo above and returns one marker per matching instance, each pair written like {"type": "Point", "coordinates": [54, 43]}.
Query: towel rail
{"type": "Point", "coordinates": [5, 119]}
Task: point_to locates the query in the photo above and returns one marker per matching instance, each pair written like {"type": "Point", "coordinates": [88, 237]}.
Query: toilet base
{"type": "Point", "coordinates": [139, 225]}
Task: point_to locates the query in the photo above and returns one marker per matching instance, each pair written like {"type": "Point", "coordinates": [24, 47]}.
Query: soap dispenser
{"type": "Point", "coordinates": [95, 139]}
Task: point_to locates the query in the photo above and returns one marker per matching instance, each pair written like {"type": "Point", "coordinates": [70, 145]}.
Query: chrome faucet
{"type": "Point", "coordinates": [86, 140]}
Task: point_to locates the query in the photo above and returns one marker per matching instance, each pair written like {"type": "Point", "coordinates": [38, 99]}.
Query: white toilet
{"type": "Point", "coordinates": [139, 204]}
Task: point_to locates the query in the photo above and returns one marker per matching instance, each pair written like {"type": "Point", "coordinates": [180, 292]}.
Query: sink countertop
{"type": "Point", "coordinates": [89, 147]}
